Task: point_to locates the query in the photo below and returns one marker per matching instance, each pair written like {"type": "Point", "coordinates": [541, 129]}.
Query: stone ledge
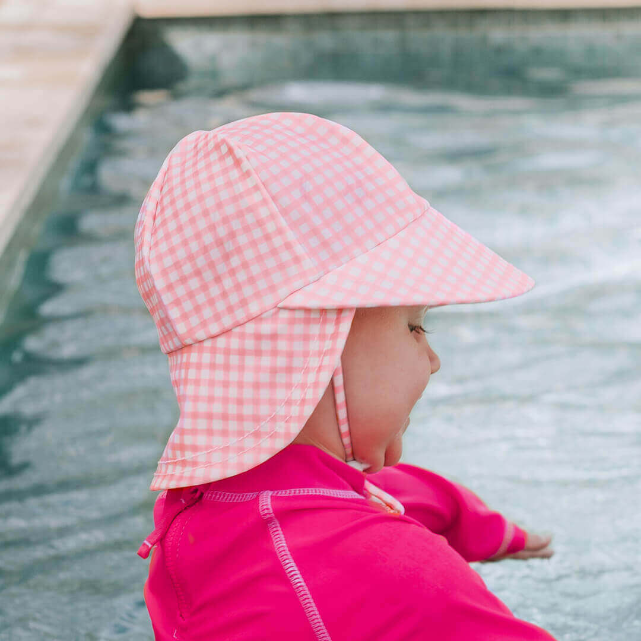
{"type": "Point", "coordinates": [193, 8]}
{"type": "Point", "coordinates": [53, 56]}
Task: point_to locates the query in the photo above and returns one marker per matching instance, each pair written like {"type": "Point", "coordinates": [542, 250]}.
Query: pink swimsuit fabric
{"type": "Point", "coordinates": [293, 549]}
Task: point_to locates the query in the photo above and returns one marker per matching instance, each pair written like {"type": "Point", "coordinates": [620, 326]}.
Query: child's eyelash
{"type": "Point", "coordinates": [421, 329]}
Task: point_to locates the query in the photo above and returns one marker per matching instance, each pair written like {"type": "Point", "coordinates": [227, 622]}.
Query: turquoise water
{"type": "Point", "coordinates": [535, 408]}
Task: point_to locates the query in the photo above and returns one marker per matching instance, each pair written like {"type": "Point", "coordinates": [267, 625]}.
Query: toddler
{"type": "Point", "coordinates": [288, 268]}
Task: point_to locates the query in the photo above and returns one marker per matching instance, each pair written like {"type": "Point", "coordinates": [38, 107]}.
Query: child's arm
{"type": "Point", "coordinates": [450, 509]}
{"type": "Point", "coordinates": [412, 585]}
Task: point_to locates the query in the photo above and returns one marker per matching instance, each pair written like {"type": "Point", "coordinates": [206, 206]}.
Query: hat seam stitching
{"type": "Point", "coordinates": [427, 209]}
{"type": "Point", "coordinates": [242, 146]}
{"type": "Point", "coordinates": [161, 191]}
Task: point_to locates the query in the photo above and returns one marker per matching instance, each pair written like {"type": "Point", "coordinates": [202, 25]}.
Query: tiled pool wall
{"type": "Point", "coordinates": [482, 51]}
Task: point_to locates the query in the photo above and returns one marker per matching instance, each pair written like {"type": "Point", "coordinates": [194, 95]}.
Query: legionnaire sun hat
{"type": "Point", "coordinates": [254, 246]}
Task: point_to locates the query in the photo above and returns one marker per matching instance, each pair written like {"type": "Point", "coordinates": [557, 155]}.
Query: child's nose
{"type": "Point", "coordinates": [435, 361]}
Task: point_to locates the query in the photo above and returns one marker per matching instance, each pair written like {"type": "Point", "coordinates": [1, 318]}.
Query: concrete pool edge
{"type": "Point", "coordinates": [192, 8]}
{"type": "Point", "coordinates": [43, 105]}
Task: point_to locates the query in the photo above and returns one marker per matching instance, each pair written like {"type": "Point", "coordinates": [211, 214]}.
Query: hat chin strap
{"type": "Point", "coordinates": [372, 492]}
{"type": "Point", "coordinates": [340, 403]}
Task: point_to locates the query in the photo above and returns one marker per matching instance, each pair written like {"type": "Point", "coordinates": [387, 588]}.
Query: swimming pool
{"type": "Point", "coordinates": [524, 129]}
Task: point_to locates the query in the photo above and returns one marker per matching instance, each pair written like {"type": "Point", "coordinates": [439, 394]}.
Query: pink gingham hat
{"type": "Point", "coordinates": [254, 245]}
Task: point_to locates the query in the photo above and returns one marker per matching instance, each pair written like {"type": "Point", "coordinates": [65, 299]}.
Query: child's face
{"type": "Point", "coordinates": [386, 367]}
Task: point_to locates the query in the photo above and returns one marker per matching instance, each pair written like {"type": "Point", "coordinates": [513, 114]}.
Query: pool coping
{"type": "Point", "coordinates": [192, 8]}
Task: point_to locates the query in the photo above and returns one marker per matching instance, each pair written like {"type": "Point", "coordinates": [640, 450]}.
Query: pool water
{"type": "Point", "coordinates": [537, 404]}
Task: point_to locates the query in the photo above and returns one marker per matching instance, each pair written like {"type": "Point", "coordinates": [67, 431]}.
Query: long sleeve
{"type": "Point", "coordinates": [451, 510]}
{"type": "Point", "coordinates": [408, 583]}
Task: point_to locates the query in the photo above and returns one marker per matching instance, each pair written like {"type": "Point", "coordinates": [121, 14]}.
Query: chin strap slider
{"type": "Point", "coordinates": [377, 495]}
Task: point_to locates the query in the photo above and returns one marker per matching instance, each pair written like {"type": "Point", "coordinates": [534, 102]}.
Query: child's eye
{"type": "Point", "coordinates": [420, 329]}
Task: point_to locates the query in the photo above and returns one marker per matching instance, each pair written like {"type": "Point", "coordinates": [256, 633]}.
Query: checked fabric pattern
{"type": "Point", "coordinates": [253, 247]}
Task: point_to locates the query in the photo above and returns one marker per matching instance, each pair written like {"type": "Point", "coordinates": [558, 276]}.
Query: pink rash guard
{"type": "Point", "coordinates": [291, 549]}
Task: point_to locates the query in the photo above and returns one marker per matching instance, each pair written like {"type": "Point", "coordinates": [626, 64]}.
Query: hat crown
{"type": "Point", "coordinates": [241, 216]}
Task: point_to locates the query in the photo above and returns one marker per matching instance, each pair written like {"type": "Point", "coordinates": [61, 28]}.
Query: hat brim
{"type": "Point", "coordinates": [429, 262]}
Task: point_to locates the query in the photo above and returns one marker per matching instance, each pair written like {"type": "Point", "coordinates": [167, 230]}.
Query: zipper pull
{"type": "Point", "coordinates": [189, 496]}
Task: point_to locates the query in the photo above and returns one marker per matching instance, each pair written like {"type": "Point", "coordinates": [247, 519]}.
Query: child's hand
{"type": "Point", "coordinates": [536, 546]}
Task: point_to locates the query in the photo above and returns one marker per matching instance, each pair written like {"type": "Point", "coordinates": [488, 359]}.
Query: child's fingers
{"type": "Point", "coordinates": [537, 541]}
{"type": "Point", "coordinates": [546, 553]}
{"type": "Point", "coordinates": [536, 547]}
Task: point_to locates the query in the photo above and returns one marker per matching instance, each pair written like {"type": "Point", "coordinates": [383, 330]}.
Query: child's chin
{"type": "Point", "coordinates": [394, 452]}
